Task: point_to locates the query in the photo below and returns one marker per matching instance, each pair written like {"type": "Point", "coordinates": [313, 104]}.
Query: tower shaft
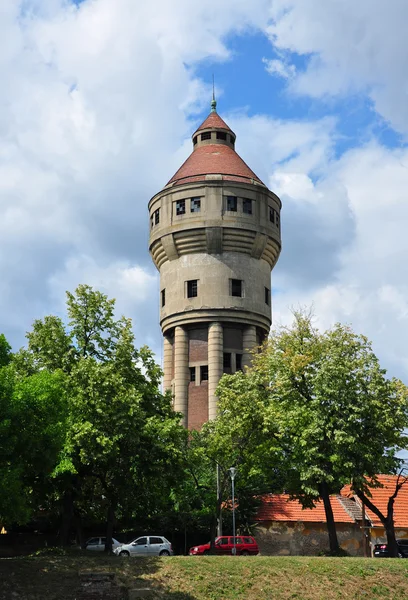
{"type": "Point", "coordinates": [215, 237]}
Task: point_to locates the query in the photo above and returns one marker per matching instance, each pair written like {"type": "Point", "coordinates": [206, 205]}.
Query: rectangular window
{"type": "Point", "coordinates": [206, 135]}
{"type": "Point", "coordinates": [247, 206]}
{"type": "Point", "coordinates": [232, 203]}
{"type": "Point", "coordinates": [271, 215]}
{"type": "Point", "coordinates": [204, 373]}
{"type": "Point", "coordinates": [227, 360]}
{"type": "Point", "coordinates": [157, 216]}
{"type": "Point", "coordinates": [236, 287]}
{"type": "Point", "coordinates": [221, 135]}
{"type": "Point", "coordinates": [232, 139]}
{"type": "Point", "coordinates": [192, 373]}
{"type": "Point", "coordinates": [267, 296]}
{"type": "Point", "coordinates": [195, 205]}
{"type": "Point", "coordinates": [238, 362]}
{"type": "Point", "coordinates": [277, 219]}
{"type": "Point", "coordinates": [192, 288]}
{"type": "Point", "coordinates": [151, 221]}
{"type": "Point", "coordinates": [195, 140]}
{"type": "Point", "coordinates": [180, 207]}
{"type": "Point", "coordinates": [163, 297]}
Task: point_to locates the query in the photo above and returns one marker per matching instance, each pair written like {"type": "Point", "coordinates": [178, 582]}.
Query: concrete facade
{"type": "Point", "coordinates": [214, 237]}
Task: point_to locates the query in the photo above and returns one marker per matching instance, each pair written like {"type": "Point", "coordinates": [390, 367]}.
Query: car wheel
{"type": "Point", "coordinates": [400, 555]}
{"type": "Point", "coordinates": [244, 553]}
{"type": "Point", "coordinates": [164, 553]}
{"type": "Point", "coordinates": [124, 553]}
{"type": "Point", "coordinates": [206, 552]}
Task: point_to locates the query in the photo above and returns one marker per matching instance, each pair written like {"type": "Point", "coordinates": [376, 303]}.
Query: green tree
{"type": "Point", "coordinates": [32, 430]}
{"type": "Point", "coordinates": [123, 444]}
{"type": "Point", "coordinates": [330, 411]}
{"type": "Point", "coordinates": [5, 351]}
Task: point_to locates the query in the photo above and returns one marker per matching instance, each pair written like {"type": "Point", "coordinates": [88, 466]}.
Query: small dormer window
{"type": "Point", "coordinates": [195, 140]}
{"type": "Point", "coordinates": [195, 205]}
{"type": "Point", "coordinates": [232, 203]}
{"type": "Point", "coordinates": [247, 206]}
{"type": "Point", "coordinates": [221, 135]}
{"type": "Point", "coordinates": [180, 207]}
{"type": "Point", "coordinates": [232, 140]}
{"type": "Point", "coordinates": [206, 136]}
{"type": "Point", "coordinates": [157, 216]}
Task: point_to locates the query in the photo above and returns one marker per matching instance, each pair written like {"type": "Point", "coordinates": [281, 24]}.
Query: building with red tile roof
{"type": "Point", "coordinates": [279, 507]}
{"type": "Point", "coordinates": [380, 497]}
{"type": "Point", "coordinates": [284, 527]}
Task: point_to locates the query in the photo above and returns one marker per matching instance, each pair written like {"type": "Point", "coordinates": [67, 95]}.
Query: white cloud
{"type": "Point", "coordinates": [281, 68]}
{"type": "Point", "coordinates": [350, 47]}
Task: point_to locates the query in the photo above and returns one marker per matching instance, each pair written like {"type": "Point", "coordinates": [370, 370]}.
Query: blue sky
{"type": "Point", "coordinates": [99, 101]}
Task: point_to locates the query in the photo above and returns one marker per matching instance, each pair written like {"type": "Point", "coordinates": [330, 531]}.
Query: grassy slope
{"type": "Point", "coordinates": [212, 578]}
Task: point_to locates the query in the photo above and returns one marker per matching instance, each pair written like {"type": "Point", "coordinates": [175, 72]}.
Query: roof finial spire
{"type": "Point", "coordinates": [213, 101]}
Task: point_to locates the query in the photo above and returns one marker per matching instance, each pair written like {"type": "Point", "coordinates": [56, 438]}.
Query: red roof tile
{"type": "Point", "coordinates": [278, 507]}
{"type": "Point", "coordinates": [380, 498]}
{"type": "Point", "coordinates": [213, 120]}
{"type": "Point", "coordinates": [213, 159]}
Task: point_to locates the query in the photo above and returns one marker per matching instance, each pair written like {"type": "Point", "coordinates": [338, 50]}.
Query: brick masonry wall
{"type": "Point", "coordinates": [197, 405]}
{"type": "Point", "coordinates": [198, 345]}
{"type": "Point", "coordinates": [307, 539]}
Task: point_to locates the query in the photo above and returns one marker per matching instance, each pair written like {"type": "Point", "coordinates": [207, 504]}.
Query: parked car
{"type": "Point", "coordinates": [381, 550]}
{"type": "Point", "coordinates": [148, 545]}
{"type": "Point", "coordinates": [98, 544]}
{"type": "Point", "coordinates": [225, 545]}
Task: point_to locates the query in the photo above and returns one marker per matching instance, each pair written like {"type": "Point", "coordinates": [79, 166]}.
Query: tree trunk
{"type": "Point", "coordinates": [213, 531]}
{"type": "Point", "coordinates": [390, 530]}
{"type": "Point", "coordinates": [66, 518]}
{"type": "Point", "coordinates": [386, 520]}
{"type": "Point", "coordinates": [79, 530]}
{"type": "Point", "coordinates": [331, 526]}
{"type": "Point", "coordinates": [110, 519]}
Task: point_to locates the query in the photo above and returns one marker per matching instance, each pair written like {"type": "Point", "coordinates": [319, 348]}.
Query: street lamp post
{"type": "Point", "coordinates": [233, 471]}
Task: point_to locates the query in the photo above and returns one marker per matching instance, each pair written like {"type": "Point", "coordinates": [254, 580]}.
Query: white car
{"type": "Point", "coordinates": [98, 544]}
{"type": "Point", "coordinates": [148, 545]}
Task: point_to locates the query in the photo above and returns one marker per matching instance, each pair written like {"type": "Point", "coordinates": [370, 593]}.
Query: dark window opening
{"type": "Point", "coordinates": [238, 362]}
{"type": "Point", "coordinates": [192, 374]}
{"type": "Point", "coordinates": [271, 215]}
{"type": "Point", "coordinates": [227, 360]}
{"type": "Point", "coordinates": [232, 203]}
{"type": "Point", "coordinates": [232, 139]}
{"type": "Point", "coordinates": [195, 205]}
{"type": "Point", "coordinates": [247, 206]}
{"type": "Point", "coordinates": [157, 216]}
{"type": "Point", "coordinates": [221, 135]}
{"type": "Point", "coordinates": [195, 139]}
{"type": "Point", "coordinates": [204, 373]}
{"type": "Point", "coordinates": [206, 135]}
{"type": "Point", "coordinates": [236, 287]}
{"type": "Point", "coordinates": [151, 221]}
{"type": "Point", "coordinates": [192, 288]}
{"type": "Point", "coordinates": [180, 207]}
{"type": "Point", "coordinates": [163, 297]}
{"type": "Point", "coordinates": [277, 219]}
{"type": "Point", "coordinates": [267, 296]}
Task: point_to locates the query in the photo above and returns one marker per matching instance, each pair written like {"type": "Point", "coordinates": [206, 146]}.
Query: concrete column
{"type": "Point", "coordinates": [215, 365]}
{"type": "Point", "coordinates": [181, 372]}
{"type": "Point", "coordinates": [248, 344]}
{"type": "Point", "coordinates": [167, 363]}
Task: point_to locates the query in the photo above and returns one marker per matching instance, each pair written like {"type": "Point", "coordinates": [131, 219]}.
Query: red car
{"type": "Point", "coordinates": [225, 545]}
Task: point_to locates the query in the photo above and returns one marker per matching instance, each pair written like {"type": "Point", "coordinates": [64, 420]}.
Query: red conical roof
{"type": "Point", "coordinates": [213, 121]}
{"type": "Point", "coordinates": [213, 159]}
{"type": "Point", "coordinates": [217, 158]}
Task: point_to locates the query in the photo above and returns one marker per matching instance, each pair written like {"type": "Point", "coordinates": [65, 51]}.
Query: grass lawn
{"type": "Point", "coordinates": [210, 577]}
